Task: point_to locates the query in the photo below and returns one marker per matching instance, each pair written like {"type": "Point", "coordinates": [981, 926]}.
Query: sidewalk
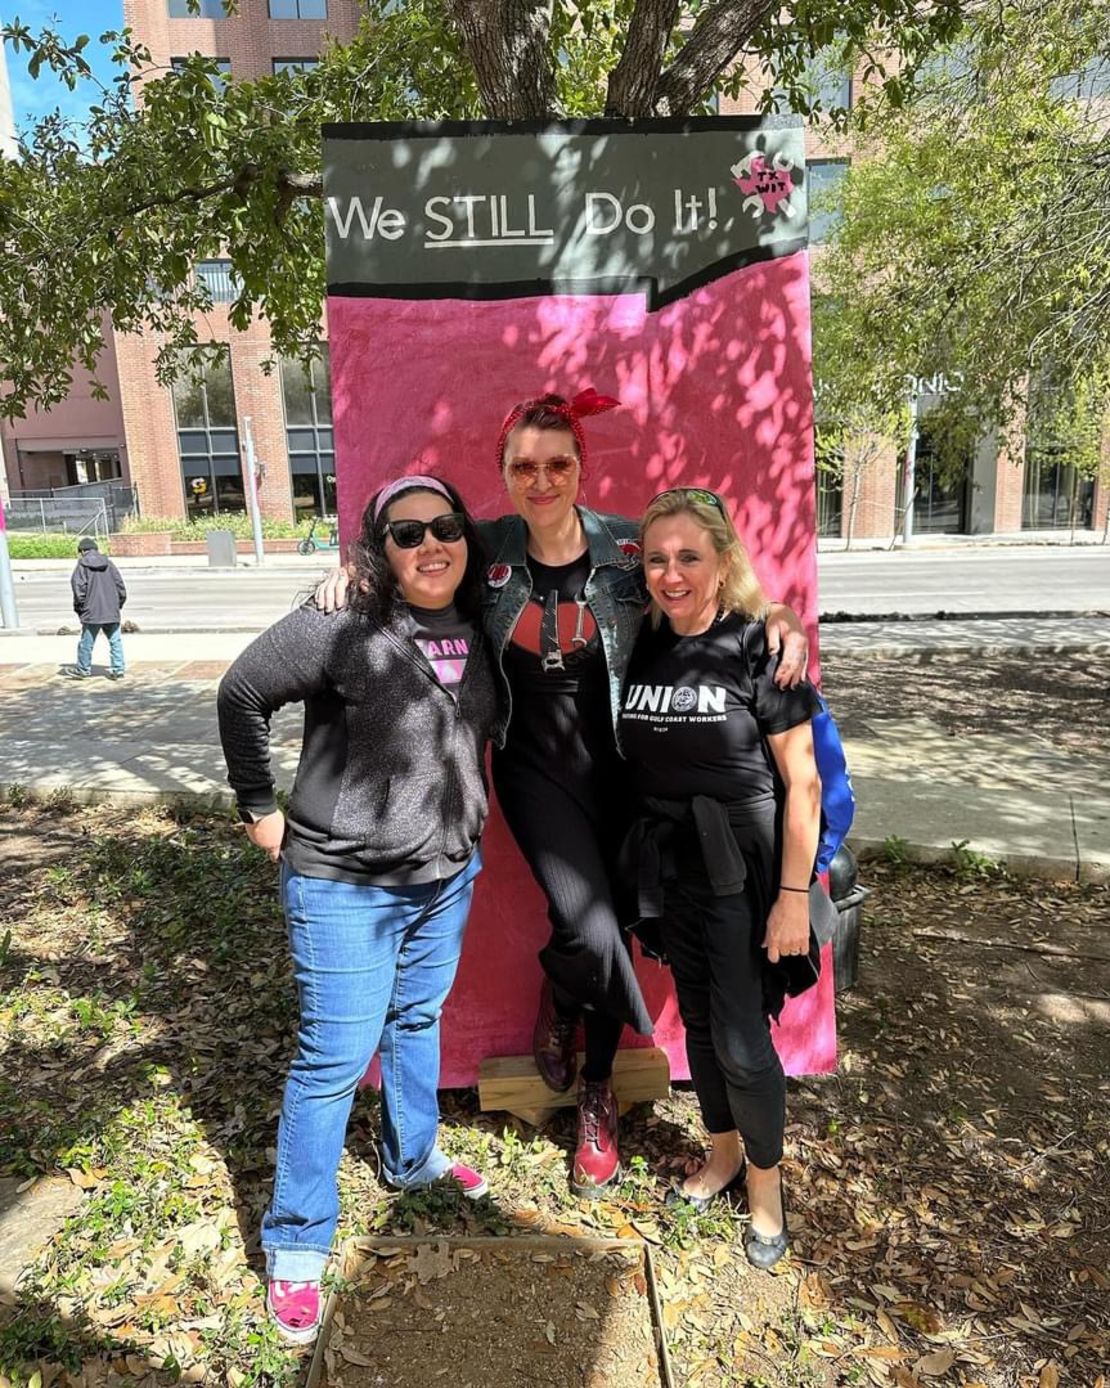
{"type": "Point", "coordinates": [834, 544]}
{"type": "Point", "coordinates": [1020, 800]}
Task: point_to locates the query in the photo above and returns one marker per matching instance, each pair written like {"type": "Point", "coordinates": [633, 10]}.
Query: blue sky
{"type": "Point", "coordinates": [34, 99]}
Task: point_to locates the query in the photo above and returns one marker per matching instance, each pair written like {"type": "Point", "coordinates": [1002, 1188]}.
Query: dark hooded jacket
{"type": "Point", "coordinates": [98, 590]}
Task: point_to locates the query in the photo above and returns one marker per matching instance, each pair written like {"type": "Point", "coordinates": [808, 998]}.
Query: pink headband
{"type": "Point", "coordinates": [418, 481]}
{"type": "Point", "coordinates": [585, 403]}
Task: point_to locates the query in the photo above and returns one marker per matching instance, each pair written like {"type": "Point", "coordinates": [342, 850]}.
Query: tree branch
{"type": "Point", "coordinates": [507, 43]}
{"type": "Point", "coordinates": [633, 82]}
{"type": "Point", "coordinates": [719, 34]}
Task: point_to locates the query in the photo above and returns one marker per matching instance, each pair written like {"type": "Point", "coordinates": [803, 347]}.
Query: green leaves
{"type": "Point", "coordinates": [973, 240]}
{"type": "Point", "coordinates": [112, 218]}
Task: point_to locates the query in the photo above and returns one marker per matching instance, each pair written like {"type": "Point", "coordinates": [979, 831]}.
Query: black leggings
{"type": "Point", "coordinates": [715, 949]}
{"type": "Point", "coordinates": [602, 1032]}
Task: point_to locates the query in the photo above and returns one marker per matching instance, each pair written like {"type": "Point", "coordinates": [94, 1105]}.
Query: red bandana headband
{"type": "Point", "coordinates": [584, 404]}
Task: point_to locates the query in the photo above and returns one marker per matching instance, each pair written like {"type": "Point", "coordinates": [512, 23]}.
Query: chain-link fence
{"type": "Point", "coordinates": [90, 508]}
{"type": "Point", "coordinates": [73, 515]}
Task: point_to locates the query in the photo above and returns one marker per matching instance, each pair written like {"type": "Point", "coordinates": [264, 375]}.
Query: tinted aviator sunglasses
{"type": "Point", "coordinates": [701, 496]}
{"type": "Point", "coordinates": [558, 469]}
{"type": "Point", "coordinates": [409, 534]}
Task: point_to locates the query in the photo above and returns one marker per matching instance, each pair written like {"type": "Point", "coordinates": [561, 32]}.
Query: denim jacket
{"type": "Point", "coordinates": [615, 592]}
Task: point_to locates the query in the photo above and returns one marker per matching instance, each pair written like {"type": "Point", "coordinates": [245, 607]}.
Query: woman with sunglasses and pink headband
{"type": "Point", "coordinates": [564, 601]}
{"type": "Point", "coordinates": [378, 851]}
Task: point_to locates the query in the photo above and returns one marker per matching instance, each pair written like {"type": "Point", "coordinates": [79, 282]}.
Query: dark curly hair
{"type": "Point", "coordinates": [374, 589]}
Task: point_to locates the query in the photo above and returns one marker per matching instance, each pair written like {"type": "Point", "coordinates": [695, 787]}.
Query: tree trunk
{"type": "Point", "coordinates": [633, 82]}
{"type": "Point", "coordinates": [507, 43]}
{"type": "Point", "coordinates": [857, 473]}
{"type": "Point", "coordinates": [721, 31]}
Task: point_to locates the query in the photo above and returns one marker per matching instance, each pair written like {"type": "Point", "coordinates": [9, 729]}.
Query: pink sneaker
{"type": "Point", "coordinates": [472, 1183]}
{"type": "Point", "coordinates": [294, 1308]}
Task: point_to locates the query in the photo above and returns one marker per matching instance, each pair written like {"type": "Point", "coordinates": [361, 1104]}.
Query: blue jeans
{"type": "Point", "coordinates": [89, 632]}
{"type": "Point", "coordinates": [373, 967]}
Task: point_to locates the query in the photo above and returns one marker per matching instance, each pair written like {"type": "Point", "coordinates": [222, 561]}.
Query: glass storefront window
{"type": "Point", "coordinates": [207, 436]}
{"type": "Point", "coordinates": [1055, 496]}
{"type": "Point", "coordinates": [306, 393]}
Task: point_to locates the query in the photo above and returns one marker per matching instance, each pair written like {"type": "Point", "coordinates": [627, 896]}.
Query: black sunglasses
{"type": "Point", "coordinates": [702, 496]}
{"type": "Point", "coordinates": [409, 534]}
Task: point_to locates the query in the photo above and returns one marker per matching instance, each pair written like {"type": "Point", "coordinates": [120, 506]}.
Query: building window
{"type": "Point", "coordinates": [207, 437]}
{"type": "Point", "coordinates": [224, 64]}
{"type": "Point", "coordinates": [219, 278]}
{"type": "Point", "coordinates": [294, 64]}
{"type": "Point", "coordinates": [824, 84]}
{"type": "Point", "coordinates": [306, 394]}
{"type": "Point", "coordinates": [206, 9]}
{"type": "Point", "coordinates": [940, 505]}
{"type": "Point", "coordinates": [829, 481]}
{"type": "Point", "coordinates": [298, 9]}
{"type": "Point", "coordinates": [823, 177]}
{"type": "Point", "coordinates": [1055, 496]}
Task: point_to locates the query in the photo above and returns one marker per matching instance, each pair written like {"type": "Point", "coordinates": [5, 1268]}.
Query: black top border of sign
{"type": "Point", "coordinates": [651, 125]}
{"type": "Point", "coordinates": [649, 286]}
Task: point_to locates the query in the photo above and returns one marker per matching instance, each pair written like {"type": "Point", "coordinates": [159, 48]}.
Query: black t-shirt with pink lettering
{"type": "Point", "coordinates": [445, 639]}
{"type": "Point", "coordinates": [695, 711]}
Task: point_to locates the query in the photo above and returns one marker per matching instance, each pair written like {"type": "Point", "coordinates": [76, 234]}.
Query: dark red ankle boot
{"type": "Point", "coordinates": [597, 1160]}
{"type": "Point", "coordinates": [553, 1043]}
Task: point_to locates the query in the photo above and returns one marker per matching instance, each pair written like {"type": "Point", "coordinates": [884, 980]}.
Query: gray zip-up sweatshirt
{"type": "Point", "coordinates": [391, 786]}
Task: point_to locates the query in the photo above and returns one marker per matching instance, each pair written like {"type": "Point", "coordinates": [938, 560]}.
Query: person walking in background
{"type": "Point", "coordinates": [98, 597]}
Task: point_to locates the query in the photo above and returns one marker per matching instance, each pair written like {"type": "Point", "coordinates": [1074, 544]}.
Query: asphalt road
{"type": "Point", "coordinates": [1034, 579]}
{"type": "Point", "coordinates": [1046, 578]}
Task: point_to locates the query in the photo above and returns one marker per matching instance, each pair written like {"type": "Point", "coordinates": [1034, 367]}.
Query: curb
{"type": "Point", "coordinates": [919, 655]}
{"type": "Point", "coordinates": [866, 849]}
{"type": "Point", "coordinates": [1034, 865]}
{"type": "Point", "coordinates": [1060, 614]}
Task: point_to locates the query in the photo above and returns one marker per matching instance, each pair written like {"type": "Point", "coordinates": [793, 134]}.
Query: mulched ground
{"type": "Point", "coordinates": [949, 1187]}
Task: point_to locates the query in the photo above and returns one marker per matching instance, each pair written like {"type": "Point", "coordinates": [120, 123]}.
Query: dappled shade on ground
{"type": "Point", "coordinates": [948, 1187]}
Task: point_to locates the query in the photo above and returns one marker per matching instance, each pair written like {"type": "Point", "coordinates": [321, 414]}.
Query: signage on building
{"type": "Point", "coordinates": [586, 207]}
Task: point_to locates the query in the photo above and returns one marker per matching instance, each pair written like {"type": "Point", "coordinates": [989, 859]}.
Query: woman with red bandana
{"type": "Point", "coordinates": [564, 602]}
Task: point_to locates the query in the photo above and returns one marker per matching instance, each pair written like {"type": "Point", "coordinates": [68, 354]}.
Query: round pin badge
{"type": "Point", "coordinates": [497, 575]}
{"type": "Point", "coordinates": [631, 548]}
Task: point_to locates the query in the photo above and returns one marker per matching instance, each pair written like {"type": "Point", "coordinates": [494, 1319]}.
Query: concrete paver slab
{"type": "Point", "coordinates": [29, 1219]}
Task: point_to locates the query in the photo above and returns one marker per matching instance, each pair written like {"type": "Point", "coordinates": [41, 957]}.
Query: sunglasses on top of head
{"type": "Point", "coordinates": [409, 534]}
{"type": "Point", "coordinates": [557, 469]}
{"type": "Point", "coordinates": [701, 496]}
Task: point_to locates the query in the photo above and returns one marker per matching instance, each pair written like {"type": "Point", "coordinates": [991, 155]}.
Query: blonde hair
{"type": "Point", "coordinates": [741, 590]}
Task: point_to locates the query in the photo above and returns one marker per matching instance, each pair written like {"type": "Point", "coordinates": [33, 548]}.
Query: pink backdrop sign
{"type": "Point", "coordinates": [714, 378]}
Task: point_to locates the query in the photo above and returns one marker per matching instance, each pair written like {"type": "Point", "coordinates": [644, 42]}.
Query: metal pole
{"type": "Point", "coordinates": [252, 490]}
{"type": "Point", "coordinates": [909, 480]}
{"type": "Point", "coordinates": [7, 588]}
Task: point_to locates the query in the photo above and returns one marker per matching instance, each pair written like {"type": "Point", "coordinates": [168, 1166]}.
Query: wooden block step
{"type": "Point", "coordinates": [512, 1082]}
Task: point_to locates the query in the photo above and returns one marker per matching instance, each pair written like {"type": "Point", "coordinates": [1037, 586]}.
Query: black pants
{"type": "Point", "coordinates": [715, 949]}
{"type": "Point", "coordinates": [572, 855]}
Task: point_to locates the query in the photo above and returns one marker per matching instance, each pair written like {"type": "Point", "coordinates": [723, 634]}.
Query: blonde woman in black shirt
{"type": "Point", "coordinates": [722, 869]}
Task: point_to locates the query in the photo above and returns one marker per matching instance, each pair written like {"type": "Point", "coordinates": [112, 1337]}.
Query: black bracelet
{"type": "Point", "coordinates": [793, 889]}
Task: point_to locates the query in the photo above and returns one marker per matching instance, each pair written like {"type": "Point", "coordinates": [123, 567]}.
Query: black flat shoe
{"type": "Point", "coordinates": [765, 1250]}
{"type": "Point", "coordinates": [677, 1196]}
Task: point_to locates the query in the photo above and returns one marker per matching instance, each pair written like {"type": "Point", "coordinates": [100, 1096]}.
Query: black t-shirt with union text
{"type": "Point", "coordinates": [695, 711]}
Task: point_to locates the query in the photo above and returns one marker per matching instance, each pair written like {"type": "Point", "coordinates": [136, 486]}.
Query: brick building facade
{"type": "Point", "coordinates": [181, 448]}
